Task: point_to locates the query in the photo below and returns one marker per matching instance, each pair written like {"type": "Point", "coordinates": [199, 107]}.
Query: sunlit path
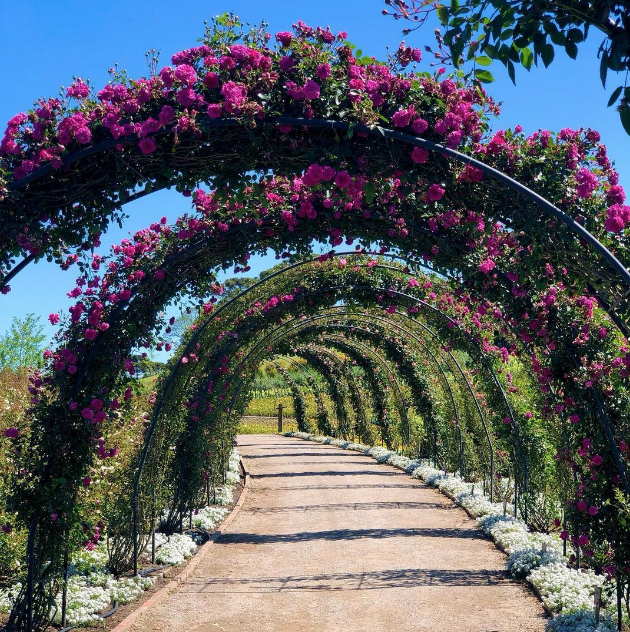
{"type": "Point", "coordinates": [328, 541]}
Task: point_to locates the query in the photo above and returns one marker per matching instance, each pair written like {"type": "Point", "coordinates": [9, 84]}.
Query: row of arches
{"type": "Point", "coordinates": [508, 260]}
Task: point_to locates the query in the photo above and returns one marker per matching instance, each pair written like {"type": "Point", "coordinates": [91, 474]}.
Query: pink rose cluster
{"type": "Point", "coordinates": [618, 216]}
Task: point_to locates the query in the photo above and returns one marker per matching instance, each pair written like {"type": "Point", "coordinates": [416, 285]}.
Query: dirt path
{"type": "Point", "coordinates": [329, 541]}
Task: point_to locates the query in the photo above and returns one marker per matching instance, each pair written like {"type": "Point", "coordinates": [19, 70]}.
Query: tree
{"type": "Point", "coordinates": [146, 366]}
{"type": "Point", "coordinates": [525, 33]}
{"type": "Point", "coordinates": [21, 346]}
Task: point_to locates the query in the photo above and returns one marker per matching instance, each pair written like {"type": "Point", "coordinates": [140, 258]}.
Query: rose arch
{"type": "Point", "coordinates": [511, 246]}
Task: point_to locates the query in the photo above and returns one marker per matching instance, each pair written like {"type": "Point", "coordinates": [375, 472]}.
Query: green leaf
{"type": "Point", "coordinates": [442, 13]}
{"type": "Point", "coordinates": [603, 68]}
{"type": "Point", "coordinates": [511, 71]}
{"type": "Point", "coordinates": [521, 42]}
{"type": "Point", "coordinates": [547, 53]}
{"type": "Point", "coordinates": [625, 118]}
{"type": "Point", "coordinates": [454, 6]}
{"type": "Point", "coordinates": [575, 35]}
{"type": "Point", "coordinates": [491, 51]}
{"type": "Point", "coordinates": [557, 37]}
{"type": "Point", "coordinates": [456, 50]}
{"type": "Point", "coordinates": [496, 27]}
{"type": "Point", "coordinates": [527, 58]}
{"type": "Point", "coordinates": [483, 60]}
{"type": "Point", "coordinates": [485, 76]}
{"type": "Point", "coordinates": [614, 96]}
{"type": "Point", "coordinates": [369, 191]}
{"type": "Point", "coordinates": [571, 49]}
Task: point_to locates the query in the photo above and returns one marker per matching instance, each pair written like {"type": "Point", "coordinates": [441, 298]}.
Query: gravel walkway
{"type": "Point", "coordinates": [329, 541]}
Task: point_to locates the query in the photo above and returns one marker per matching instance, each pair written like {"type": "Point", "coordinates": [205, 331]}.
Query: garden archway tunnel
{"type": "Point", "coordinates": [432, 185]}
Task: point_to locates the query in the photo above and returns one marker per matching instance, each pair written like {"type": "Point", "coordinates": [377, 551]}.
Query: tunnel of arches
{"type": "Point", "coordinates": [490, 340]}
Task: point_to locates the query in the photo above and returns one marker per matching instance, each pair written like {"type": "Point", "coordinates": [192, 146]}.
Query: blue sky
{"type": "Point", "coordinates": [50, 42]}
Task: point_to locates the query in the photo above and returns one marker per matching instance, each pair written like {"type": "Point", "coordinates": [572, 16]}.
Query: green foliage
{"type": "Point", "coordinates": [479, 32]}
{"type": "Point", "coordinates": [21, 346]}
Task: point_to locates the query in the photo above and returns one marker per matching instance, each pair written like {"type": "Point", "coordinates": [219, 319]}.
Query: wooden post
{"type": "Point", "coordinates": [597, 598]}
{"type": "Point", "coordinates": [279, 418]}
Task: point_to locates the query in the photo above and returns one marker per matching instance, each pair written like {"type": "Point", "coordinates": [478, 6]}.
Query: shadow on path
{"type": "Point", "coordinates": [374, 506]}
{"type": "Point", "coordinates": [371, 580]}
{"type": "Point", "coordinates": [349, 535]}
{"type": "Point", "coordinates": [326, 473]}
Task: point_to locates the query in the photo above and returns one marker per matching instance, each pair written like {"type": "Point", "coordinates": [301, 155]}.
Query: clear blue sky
{"type": "Point", "coordinates": [44, 44]}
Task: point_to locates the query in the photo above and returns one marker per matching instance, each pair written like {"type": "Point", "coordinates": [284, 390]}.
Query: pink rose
{"type": "Point", "coordinates": [419, 155]}
{"type": "Point", "coordinates": [186, 74]}
{"type": "Point", "coordinates": [214, 110]}
{"type": "Point", "coordinates": [284, 37]}
{"type": "Point", "coordinates": [343, 179]}
{"type": "Point", "coordinates": [435, 193]}
{"type": "Point", "coordinates": [311, 90]}
{"type": "Point", "coordinates": [147, 146]}
{"type": "Point", "coordinates": [419, 126]}
{"type": "Point", "coordinates": [211, 80]}
{"type": "Point", "coordinates": [166, 114]}
{"type": "Point", "coordinates": [581, 506]}
{"type": "Point", "coordinates": [83, 135]}
{"type": "Point", "coordinates": [402, 117]}
{"type": "Point", "coordinates": [323, 71]}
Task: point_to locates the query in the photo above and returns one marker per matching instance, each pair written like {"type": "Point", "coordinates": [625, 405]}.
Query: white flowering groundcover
{"type": "Point", "coordinates": [92, 590]}
{"type": "Point", "coordinates": [537, 557]}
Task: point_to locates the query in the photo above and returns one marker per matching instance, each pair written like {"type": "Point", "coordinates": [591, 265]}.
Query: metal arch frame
{"type": "Point", "coordinates": [277, 332]}
{"type": "Point", "coordinates": [549, 208]}
{"type": "Point", "coordinates": [463, 375]}
{"type": "Point", "coordinates": [442, 373]}
{"type": "Point", "coordinates": [307, 368]}
{"type": "Point", "coordinates": [295, 327]}
{"type": "Point", "coordinates": [263, 341]}
{"type": "Point", "coordinates": [471, 341]}
{"type": "Point", "coordinates": [384, 365]}
{"type": "Point", "coordinates": [326, 376]}
{"type": "Point", "coordinates": [376, 131]}
{"type": "Point", "coordinates": [349, 378]}
{"type": "Point", "coordinates": [356, 253]}
{"type": "Point", "coordinates": [438, 311]}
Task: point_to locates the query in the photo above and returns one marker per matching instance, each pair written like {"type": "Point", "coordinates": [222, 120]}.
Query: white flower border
{"type": "Point", "coordinates": [566, 593]}
{"type": "Point", "coordinates": [92, 590]}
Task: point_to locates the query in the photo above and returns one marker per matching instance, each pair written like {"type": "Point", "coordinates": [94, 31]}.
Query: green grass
{"type": "Point", "coordinates": [265, 425]}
